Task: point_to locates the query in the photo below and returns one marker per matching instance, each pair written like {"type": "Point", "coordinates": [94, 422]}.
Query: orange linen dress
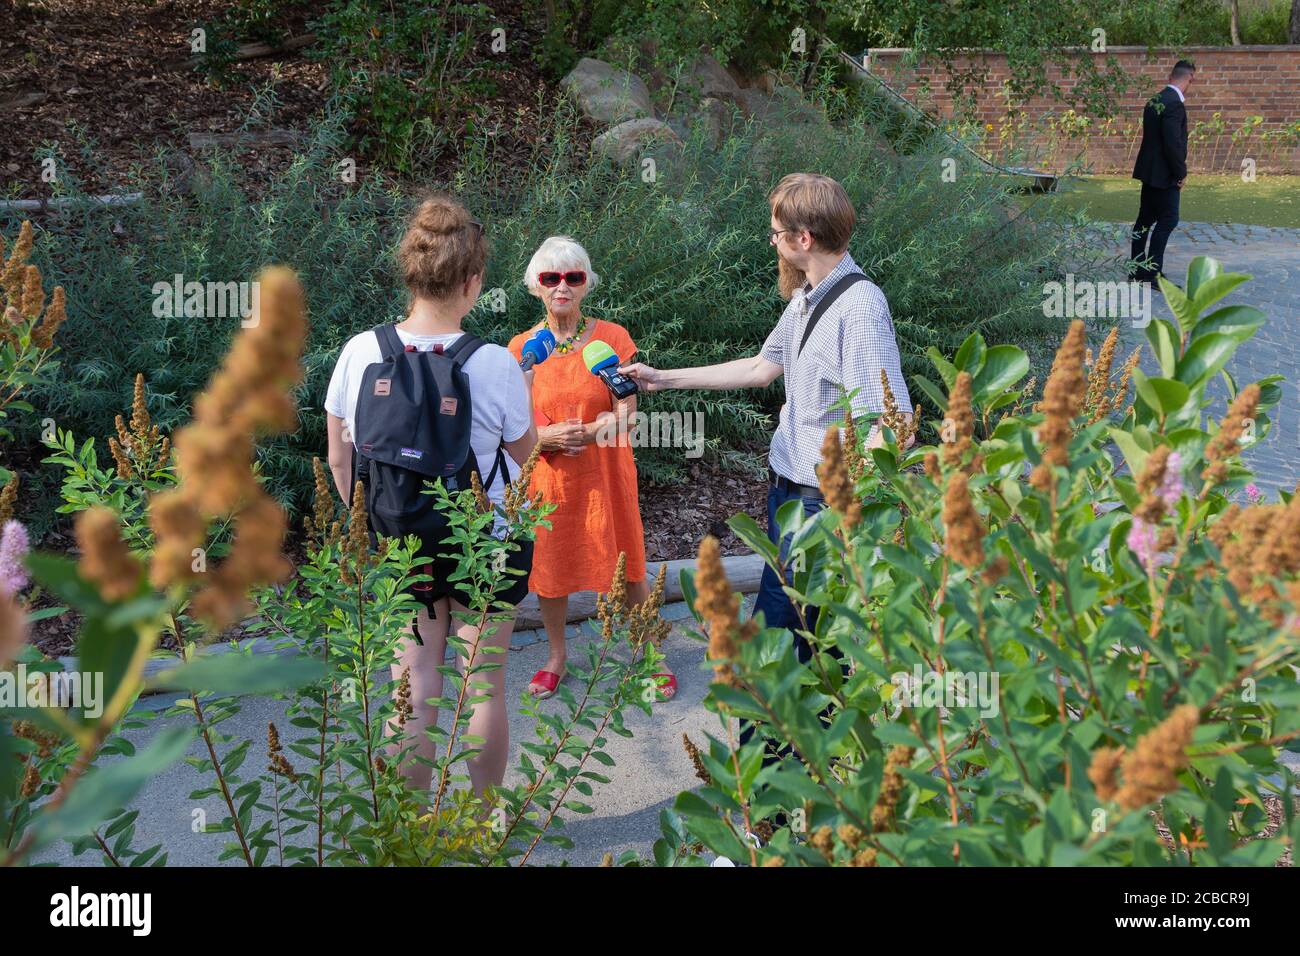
{"type": "Point", "coordinates": [594, 492]}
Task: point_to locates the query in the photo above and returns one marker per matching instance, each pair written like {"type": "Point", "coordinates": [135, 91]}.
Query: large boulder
{"type": "Point", "coordinates": [706, 77]}
{"type": "Point", "coordinates": [629, 139]}
{"type": "Point", "coordinates": [607, 94]}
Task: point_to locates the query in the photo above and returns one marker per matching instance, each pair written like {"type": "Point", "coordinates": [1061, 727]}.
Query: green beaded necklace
{"type": "Point", "coordinates": [567, 344]}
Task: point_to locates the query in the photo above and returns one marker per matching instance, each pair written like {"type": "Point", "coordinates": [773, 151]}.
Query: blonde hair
{"type": "Point", "coordinates": [559, 254]}
{"type": "Point", "coordinates": [442, 249]}
{"type": "Point", "coordinates": [817, 203]}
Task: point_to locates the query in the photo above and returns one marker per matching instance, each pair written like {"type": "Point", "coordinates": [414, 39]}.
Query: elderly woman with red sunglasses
{"type": "Point", "coordinates": [592, 483]}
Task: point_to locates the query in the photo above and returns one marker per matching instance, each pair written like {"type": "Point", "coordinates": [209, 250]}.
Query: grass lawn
{"type": "Point", "coordinates": [1268, 201]}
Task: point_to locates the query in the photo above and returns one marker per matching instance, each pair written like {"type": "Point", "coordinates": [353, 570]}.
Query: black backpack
{"type": "Point", "coordinates": [412, 425]}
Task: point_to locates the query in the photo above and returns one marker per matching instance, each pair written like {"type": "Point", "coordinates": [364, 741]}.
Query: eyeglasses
{"type": "Point", "coordinates": [481, 229]}
{"type": "Point", "coordinates": [773, 233]}
{"type": "Point", "coordinates": [551, 279]}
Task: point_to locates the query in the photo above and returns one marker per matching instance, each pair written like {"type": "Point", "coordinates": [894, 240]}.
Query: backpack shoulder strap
{"type": "Point", "coordinates": [833, 293]}
{"type": "Point", "coordinates": [389, 344]}
{"type": "Point", "coordinates": [465, 346]}
{"type": "Point", "coordinates": [498, 465]}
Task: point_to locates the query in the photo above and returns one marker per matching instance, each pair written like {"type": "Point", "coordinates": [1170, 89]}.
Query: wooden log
{"type": "Point", "coordinates": [266, 137]}
{"type": "Point", "coordinates": [743, 571]}
{"type": "Point", "coordinates": [65, 202]}
{"type": "Point", "coordinates": [250, 51]}
{"type": "Point", "coordinates": [23, 101]}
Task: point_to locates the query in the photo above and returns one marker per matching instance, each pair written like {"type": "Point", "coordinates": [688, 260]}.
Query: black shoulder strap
{"type": "Point", "coordinates": [827, 300]}
{"type": "Point", "coordinates": [464, 347]}
{"type": "Point", "coordinates": [389, 344]}
{"type": "Point", "coordinates": [498, 465]}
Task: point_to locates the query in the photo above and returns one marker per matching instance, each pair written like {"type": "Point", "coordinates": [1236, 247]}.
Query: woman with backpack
{"type": "Point", "coordinates": [419, 400]}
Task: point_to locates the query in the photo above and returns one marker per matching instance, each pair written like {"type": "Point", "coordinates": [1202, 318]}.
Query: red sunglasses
{"type": "Point", "coordinates": [551, 279]}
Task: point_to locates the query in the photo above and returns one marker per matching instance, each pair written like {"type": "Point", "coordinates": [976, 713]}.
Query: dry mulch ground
{"type": "Point", "coordinates": [110, 82]}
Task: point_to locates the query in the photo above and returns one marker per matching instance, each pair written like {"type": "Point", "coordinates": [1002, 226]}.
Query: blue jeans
{"type": "Point", "coordinates": [778, 611]}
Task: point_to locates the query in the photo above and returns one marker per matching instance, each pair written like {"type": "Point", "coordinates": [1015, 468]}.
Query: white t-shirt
{"type": "Point", "coordinates": [499, 395]}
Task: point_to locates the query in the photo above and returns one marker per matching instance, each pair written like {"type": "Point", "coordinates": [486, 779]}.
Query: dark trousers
{"type": "Point", "coordinates": [1157, 217]}
{"type": "Point", "coordinates": [777, 608]}
{"type": "Point", "coordinates": [778, 611]}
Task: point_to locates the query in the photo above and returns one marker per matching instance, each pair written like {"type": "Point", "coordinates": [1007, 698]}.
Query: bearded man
{"type": "Point", "coordinates": [834, 337]}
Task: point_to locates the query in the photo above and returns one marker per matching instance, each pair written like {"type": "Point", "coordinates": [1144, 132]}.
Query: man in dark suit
{"type": "Point", "coordinates": [1162, 167]}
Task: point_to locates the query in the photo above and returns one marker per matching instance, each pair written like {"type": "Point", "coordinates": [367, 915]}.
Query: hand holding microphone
{"type": "Point", "coordinates": [602, 361]}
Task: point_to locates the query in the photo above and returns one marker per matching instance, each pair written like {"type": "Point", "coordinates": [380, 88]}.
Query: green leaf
{"type": "Point", "coordinates": [234, 673]}
{"type": "Point", "coordinates": [1183, 309]}
{"type": "Point", "coordinates": [1239, 321]}
{"type": "Point", "coordinates": [1205, 357]}
{"type": "Point", "coordinates": [1165, 344]}
{"type": "Point", "coordinates": [1133, 453]}
{"type": "Point", "coordinates": [1163, 395]}
{"type": "Point", "coordinates": [1201, 270]}
{"type": "Point", "coordinates": [748, 531]}
{"type": "Point", "coordinates": [970, 357]}
{"type": "Point", "coordinates": [1214, 289]}
{"type": "Point", "coordinates": [947, 371]}
{"type": "Point", "coordinates": [1004, 366]}
{"type": "Point", "coordinates": [932, 391]}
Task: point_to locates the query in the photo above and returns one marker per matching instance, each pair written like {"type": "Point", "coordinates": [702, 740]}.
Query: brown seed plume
{"type": "Point", "coordinates": [959, 424]}
{"type": "Point", "coordinates": [833, 478]}
{"type": "Point", "coordinates": [106, 561]}
{"type": "Point", "coordinates": [1226, 443]}
{"type": "Point", "coordinates": [1062, 396]}
{"type": "Point", "coordinates": [1151, 769]}
{"type": "Point", "coordinates": [963, 530]}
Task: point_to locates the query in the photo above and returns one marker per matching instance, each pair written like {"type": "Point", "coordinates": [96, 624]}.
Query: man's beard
{"type": "Point", "coordinates": [788, 277]}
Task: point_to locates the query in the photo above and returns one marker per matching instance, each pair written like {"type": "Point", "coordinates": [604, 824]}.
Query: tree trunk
{"type": "Point", "coordinates": [1293, 34]}
{"type": "Point", "coordinates": [1235, 18]}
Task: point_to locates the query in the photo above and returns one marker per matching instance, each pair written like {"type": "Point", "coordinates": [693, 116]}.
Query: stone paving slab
{"type": "Point", "coordinates": [1272, 256]}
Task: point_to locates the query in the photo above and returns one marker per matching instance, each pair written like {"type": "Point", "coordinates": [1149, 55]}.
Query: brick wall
{"type": "Point", "coordinates": [1255, 90]}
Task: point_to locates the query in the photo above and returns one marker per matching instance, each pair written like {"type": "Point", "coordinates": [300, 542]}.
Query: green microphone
{"type": "Point", "coordinates": [602, 361]}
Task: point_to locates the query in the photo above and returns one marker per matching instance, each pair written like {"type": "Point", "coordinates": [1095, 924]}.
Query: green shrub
{"type": "Point", "coordinates": [1014, 672]}
{"type": "Point", "coordinates": [685, 263]}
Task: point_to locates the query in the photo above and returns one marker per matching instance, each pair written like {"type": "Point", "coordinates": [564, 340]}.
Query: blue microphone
{"type": "Point", "coordinates": [537, 349]}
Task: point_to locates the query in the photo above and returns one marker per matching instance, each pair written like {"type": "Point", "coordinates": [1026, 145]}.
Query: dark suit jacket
{"type": "Point", "coordinates": [1162, 158]}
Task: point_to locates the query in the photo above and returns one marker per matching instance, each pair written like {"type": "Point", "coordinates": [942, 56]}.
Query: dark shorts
{"type": "Point", "coordinates": [511, 588]}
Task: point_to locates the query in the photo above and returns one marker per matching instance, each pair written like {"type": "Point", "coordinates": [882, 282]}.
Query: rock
{"type": "Point", "coordinates": [607, 94]}
{"type": "Point", "coordinates": [706, 77]}
{"type": "Point", "coordinates": [717, 118]}
{"type": "Point", "coordinates": [785, 106]}
{"type": "Point", "coordinates": [627, 140]}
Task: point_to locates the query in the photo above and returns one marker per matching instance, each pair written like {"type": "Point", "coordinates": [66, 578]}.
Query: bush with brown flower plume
{"type": "Point", "coordinates": [835, 482]}
{"type": "Point", "coordinates": [891, 787]}
{"type": "Point", "coordinates": [716, 603]}
{"type": "Point", "coordinates": [250, 395]}
{"type": "Point", "coordinates": [963, 530]}
{"type": "Point", "coordinates": [106, 561]}
{"type": "Point", "coordinates": [1103, 770]}
{"type": "Point", "coordinates": [1151, 770]}
{"type": "Point", "coordinates": [1226, 443]}
{"type": "Point", "coordinates": [1062, 397]}
{"type": "Point", "coordinates": [959, 423]}
{"type": "Point", "coordinates": [1097, 400]}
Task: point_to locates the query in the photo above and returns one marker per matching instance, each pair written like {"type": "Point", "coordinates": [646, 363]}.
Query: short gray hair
{"type": "Point", "coordinates": [559, 254]}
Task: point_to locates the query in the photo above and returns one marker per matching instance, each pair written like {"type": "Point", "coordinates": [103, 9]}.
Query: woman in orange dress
{"type": "Point", "coordinates": [593, 485]}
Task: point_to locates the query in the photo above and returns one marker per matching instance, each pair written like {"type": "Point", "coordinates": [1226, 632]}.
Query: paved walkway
{"type": "Point", "coordinates": [1272, 256]}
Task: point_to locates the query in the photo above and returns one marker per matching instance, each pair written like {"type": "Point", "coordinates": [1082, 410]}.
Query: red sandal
{"type": "Point", "coordinates": [548, 679]}
{"type": "Point", "coordinates": [667, 688]}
